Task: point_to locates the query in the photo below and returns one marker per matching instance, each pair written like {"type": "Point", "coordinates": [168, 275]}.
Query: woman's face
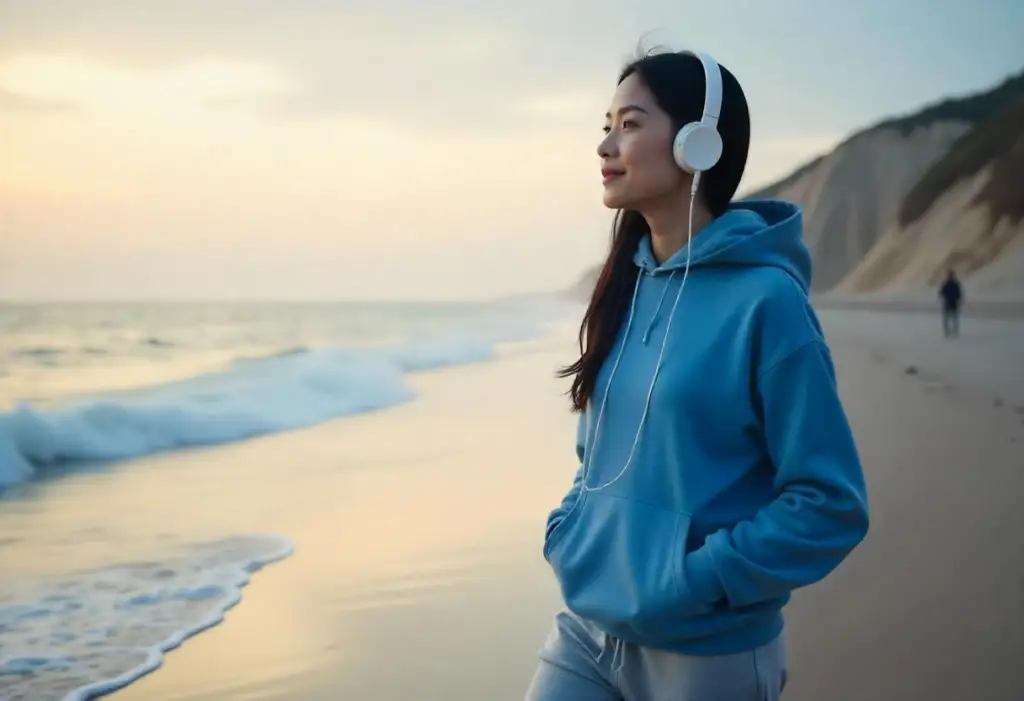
{"type": "Point", "coordinates": [636, 153]}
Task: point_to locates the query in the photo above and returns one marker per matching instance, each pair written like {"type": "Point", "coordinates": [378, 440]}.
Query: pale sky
{"type": "Point", "coordinates": [400, 148]}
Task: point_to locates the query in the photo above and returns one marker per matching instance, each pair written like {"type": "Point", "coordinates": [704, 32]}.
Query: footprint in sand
{"type": "Point", "coordinates": [915, 371]}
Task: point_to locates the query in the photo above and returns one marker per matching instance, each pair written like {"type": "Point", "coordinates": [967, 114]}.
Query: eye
{"type": "Point", "coordinates": [629, 124]}
{"type": "Point", "coordinates": [606, 128]}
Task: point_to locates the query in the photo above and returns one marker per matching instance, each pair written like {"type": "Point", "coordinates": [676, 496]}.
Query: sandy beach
{"type": "Point", "coordinates": [931, 606]}
{"type": "Point", "coordinates": [417, 571]}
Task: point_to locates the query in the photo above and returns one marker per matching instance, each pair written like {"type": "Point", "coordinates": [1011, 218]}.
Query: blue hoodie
{"type": "Point", "coordinates": [745, 482]}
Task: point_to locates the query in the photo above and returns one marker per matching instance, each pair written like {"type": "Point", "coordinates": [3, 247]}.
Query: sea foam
{"type": "Point", "coordinates": [281, 392]}
{"type": "Point", "coordinates": [90, 633]}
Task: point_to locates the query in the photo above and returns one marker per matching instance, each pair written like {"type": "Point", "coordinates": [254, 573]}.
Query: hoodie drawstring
{"type": "Point", "coordinates": [617, 647]}
{"type": "Point", "coordinates": [618, 657]}
{"type": "Point", "coordinates": [655, 317]}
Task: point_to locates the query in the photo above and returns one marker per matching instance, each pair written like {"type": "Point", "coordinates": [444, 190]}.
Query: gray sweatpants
{"type": "Point", "coordinates": [581, 663]}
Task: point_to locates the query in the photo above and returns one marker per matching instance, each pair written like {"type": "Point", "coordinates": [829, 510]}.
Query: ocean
{"type": "Point", "coordinates": [81, 383]}
{"type": "Point", "coordinates": [92, 599]}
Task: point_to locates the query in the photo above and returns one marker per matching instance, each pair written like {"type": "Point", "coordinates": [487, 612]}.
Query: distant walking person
{"type": "Point", "coordinates": [952, 296]}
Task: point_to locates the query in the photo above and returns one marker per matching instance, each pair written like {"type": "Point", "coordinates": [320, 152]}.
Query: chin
{"type": "Point", "coordinates": [616, 200]}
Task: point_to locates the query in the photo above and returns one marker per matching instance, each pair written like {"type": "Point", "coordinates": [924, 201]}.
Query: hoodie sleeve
{"type": "Point", "coordinates": [569, 500]}
{"type": "Point", "coordinates": [820, 512]}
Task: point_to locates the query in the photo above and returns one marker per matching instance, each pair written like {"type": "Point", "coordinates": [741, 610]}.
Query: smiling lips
{"type": "Point", "coordinates": [609, 174]}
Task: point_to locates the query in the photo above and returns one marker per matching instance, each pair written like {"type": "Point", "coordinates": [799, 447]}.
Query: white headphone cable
{"type": "Point", "coordinates": [657, 367]}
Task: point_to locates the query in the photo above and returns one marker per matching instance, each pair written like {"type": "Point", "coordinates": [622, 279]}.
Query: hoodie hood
{"type": "Point", "coordinates": [751, 233]}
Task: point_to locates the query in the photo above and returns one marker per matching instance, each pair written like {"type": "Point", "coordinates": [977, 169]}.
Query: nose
{"type": "Point", "coordinates": [606, 147]}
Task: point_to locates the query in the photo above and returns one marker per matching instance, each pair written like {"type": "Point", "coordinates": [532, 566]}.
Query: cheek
{"type": "Point", "coordinates": [649, 162]}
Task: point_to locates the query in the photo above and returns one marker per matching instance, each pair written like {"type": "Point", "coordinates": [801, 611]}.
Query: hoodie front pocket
{"type": "Point", "coordinates": [564, 524]}
{"type": "Point", "coordinates": [620, 564]}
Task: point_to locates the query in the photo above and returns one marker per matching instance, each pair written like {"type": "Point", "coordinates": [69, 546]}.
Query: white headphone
{"type": "Point", "coordinates": [698, 145]}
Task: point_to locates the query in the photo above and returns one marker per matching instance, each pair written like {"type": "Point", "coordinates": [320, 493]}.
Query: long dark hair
{"type": "Point", "coordinates": [676, 81]}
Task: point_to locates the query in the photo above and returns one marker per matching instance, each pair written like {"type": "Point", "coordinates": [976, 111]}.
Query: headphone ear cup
{"type": "Point", "coordinates": [697, 147]}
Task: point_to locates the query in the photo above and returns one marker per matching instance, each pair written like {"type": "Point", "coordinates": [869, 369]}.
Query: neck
{"type": "Point", "coordinates": [669, 225]}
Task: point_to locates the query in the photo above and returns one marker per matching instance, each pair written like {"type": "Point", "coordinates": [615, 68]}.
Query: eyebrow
{"type": "Point", "coordinates": [627, 108]}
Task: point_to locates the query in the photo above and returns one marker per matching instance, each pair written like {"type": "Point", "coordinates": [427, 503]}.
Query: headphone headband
{"type": "Point", "coordinates": [712, 87]}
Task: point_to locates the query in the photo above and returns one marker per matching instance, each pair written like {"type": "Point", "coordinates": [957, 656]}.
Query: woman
{"type": "Point", "coordinates": [718, 472]}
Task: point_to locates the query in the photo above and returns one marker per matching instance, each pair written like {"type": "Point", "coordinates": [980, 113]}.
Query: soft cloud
{"type": "Point", "coordinates": [13, 103]}
{"type": "Point", "coordinates": [56, 79]}
{"type": "Point", "coordinates": [580, 104]}
{"type": "Point", "coordinates": [450, 65]}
